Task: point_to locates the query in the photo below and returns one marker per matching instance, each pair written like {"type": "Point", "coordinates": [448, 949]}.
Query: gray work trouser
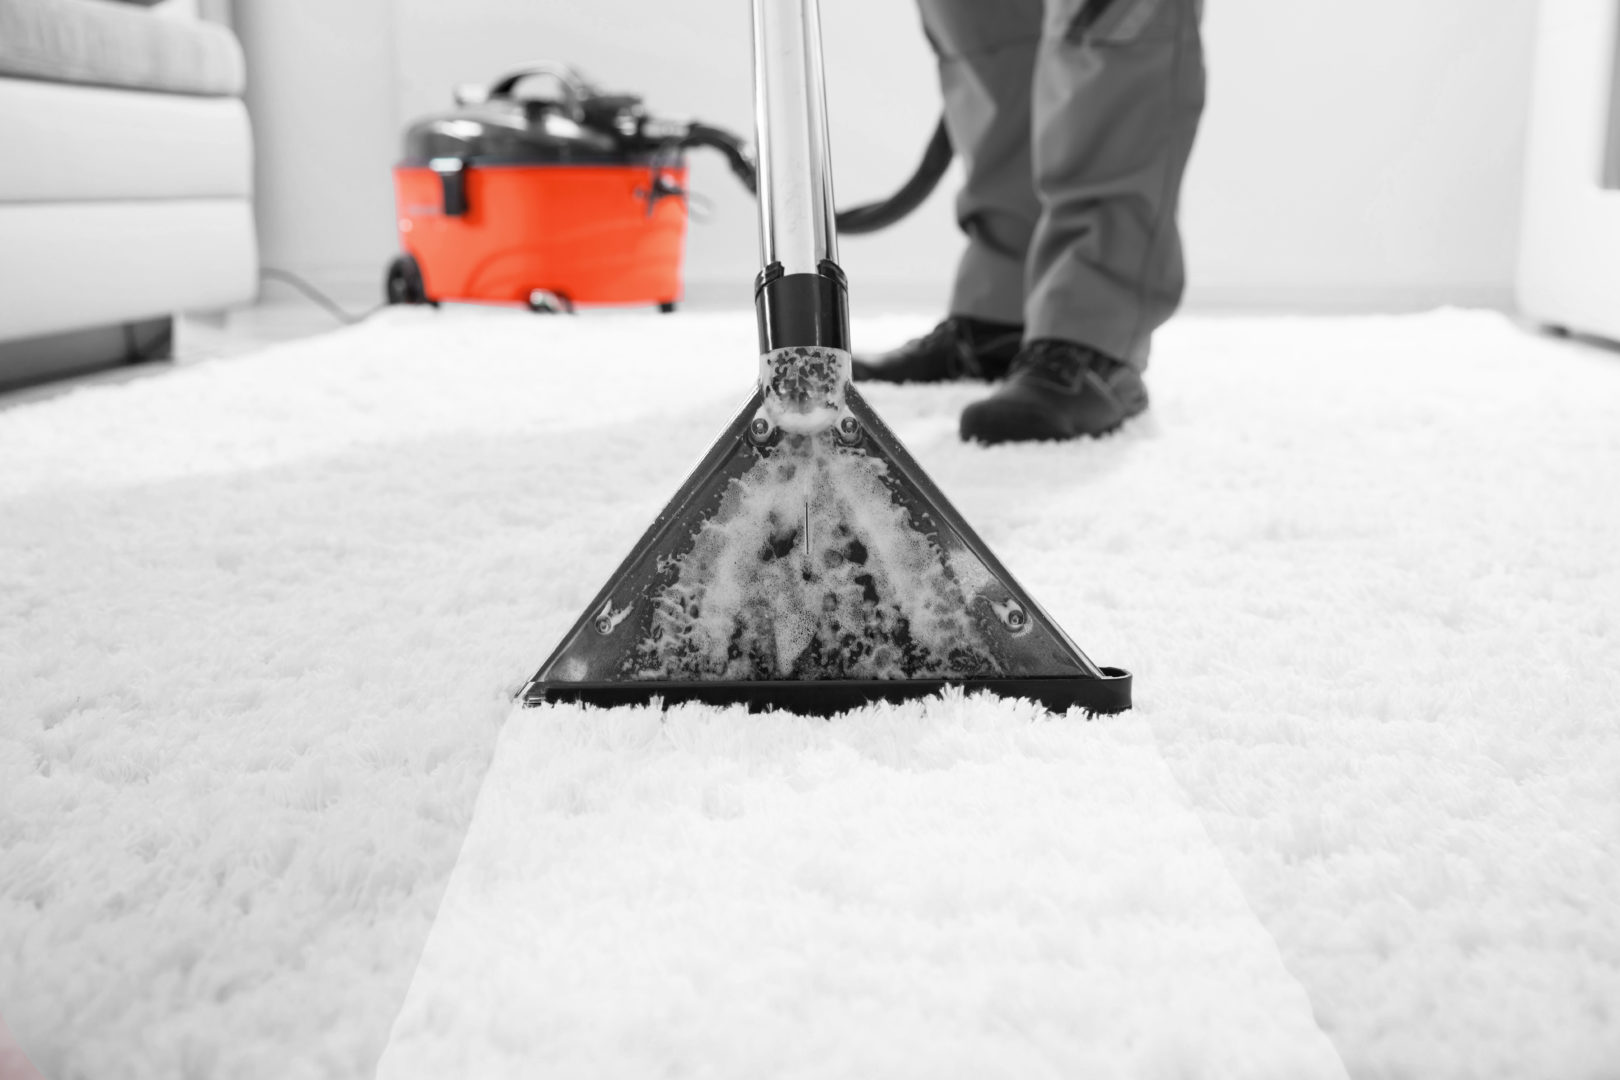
{"type": "Point", "coordinates": [1073, 120]}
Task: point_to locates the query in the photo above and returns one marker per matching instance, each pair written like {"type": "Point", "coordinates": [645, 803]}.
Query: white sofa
{"type": "Point", "coordinates": [125, 176]}
{"type": "Point", "coordinates": [1569, 249]}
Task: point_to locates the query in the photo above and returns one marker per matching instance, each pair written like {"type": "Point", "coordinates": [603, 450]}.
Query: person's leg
{"type": "Point", "coordinates": [1119, 88]}
{"type": "Point", "coordinates": [987, 54]}
{"type": "Point", "coordinates": [1118, 91]}
{"type": "Point", "coordinates": [987, 57]}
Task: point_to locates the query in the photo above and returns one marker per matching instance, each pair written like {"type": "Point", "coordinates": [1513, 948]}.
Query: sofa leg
{"type": "Point", "coordinates": [150, 339]}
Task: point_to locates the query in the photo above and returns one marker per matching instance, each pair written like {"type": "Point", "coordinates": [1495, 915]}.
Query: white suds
{"type": "Point", "coordinates": [810, 569]}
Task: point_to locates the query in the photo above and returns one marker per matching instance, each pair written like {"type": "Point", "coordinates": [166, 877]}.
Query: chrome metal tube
{"type": "Point", "coordinates": [796, 218]}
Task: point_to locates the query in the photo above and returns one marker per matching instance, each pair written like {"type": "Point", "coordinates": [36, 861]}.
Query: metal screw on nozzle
{"type": "Point", "coordinates": [849, 429]}
{"type": "Point", "coordinates": [1012, 615]}
{"type": "Point", "coordinates": [759, 429]}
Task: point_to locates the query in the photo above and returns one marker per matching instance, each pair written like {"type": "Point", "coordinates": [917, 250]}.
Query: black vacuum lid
{"type": "Point", "coordinates": [541, 114]}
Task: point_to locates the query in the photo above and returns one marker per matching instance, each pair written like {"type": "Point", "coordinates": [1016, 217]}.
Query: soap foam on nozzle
{"type": "Point", "coordinates": [809, 569]}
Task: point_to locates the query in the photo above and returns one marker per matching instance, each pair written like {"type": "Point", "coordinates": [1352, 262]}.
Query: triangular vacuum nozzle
{"type": "Point", "coordinates": [815, 572]}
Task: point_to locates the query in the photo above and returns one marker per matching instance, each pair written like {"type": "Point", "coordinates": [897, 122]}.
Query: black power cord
{"type": "Point", "coordinates": [311, 292]}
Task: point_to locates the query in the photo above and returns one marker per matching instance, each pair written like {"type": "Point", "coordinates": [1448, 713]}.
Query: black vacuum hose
{"type": "Point", "coordinates": [870, 217]}
{"type": "Point", "coordinates": [866, 218]}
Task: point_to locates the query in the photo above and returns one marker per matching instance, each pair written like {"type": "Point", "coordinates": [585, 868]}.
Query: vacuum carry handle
{"type": "Point", "coordinates": [573, 85]}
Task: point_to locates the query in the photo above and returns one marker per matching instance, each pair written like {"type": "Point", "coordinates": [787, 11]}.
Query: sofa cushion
{"type": "Point", "coordinates": [105, 43]}
{"type": "Point", "coordinates": [65, 143]}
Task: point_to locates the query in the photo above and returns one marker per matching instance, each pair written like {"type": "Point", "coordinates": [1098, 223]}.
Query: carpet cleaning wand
{"type": "Point", "coordinates": [808, 563]}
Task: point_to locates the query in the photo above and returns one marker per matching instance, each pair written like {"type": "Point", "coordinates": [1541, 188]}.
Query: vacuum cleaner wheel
{"type": "Point", "coordinates": [403, 284]}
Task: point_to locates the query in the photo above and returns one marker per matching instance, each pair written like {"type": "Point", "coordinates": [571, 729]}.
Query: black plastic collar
{"type": "Point", "coordinates": [802, 309]}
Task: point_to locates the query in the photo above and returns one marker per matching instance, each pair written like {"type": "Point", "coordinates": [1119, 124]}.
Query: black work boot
{"type": "Point", "coordinates": [1057, 390]}
{"type": "Point", "coordinates": [958, 348]}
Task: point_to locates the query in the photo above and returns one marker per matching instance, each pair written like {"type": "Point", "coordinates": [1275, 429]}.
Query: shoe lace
{"type": "Point", "coordinates": [948, 330]}
{"type": "Point", "coordinates": [951, 338]}
{"type": "Point", "coordinates": [1056, 362]}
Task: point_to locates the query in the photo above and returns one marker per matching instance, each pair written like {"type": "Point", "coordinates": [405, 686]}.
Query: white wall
{"type": "Point", "coordinates": [325, 107]}
{"type": "Point", "coordinates": [1361, 154]}
{"type": "Point", "coordinates": [1354, 155]}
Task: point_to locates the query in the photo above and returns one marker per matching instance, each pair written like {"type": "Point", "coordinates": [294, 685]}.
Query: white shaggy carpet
{"type": "Point", "coordinates": [260, 621]}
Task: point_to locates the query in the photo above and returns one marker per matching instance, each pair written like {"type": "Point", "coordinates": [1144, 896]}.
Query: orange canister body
{"type": "Point", "coordinates": [586, 233]}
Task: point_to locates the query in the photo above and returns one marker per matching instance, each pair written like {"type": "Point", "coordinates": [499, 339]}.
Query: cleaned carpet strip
{"type": "Point", "coordinates": [950, 888]}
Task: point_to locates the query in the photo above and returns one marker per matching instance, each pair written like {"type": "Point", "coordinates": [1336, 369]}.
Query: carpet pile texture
{"type": "Point", "coordinates": [261, 621]}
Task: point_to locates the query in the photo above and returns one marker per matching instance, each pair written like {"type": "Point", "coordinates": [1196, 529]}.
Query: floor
{"type": "Point", "coordinates": [201, 338]}
{"type": "Point", "coordinates": [265, 620]}
{"type": "Point", "coordinates": [279, 318]}
{"type": "Point", "coordinates": [282, 315]}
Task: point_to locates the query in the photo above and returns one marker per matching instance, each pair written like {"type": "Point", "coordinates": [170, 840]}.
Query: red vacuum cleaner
{"type": "Point", "coordinates": [808, 563]}
{"type": "Point", "coordinates": [542, 189]}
